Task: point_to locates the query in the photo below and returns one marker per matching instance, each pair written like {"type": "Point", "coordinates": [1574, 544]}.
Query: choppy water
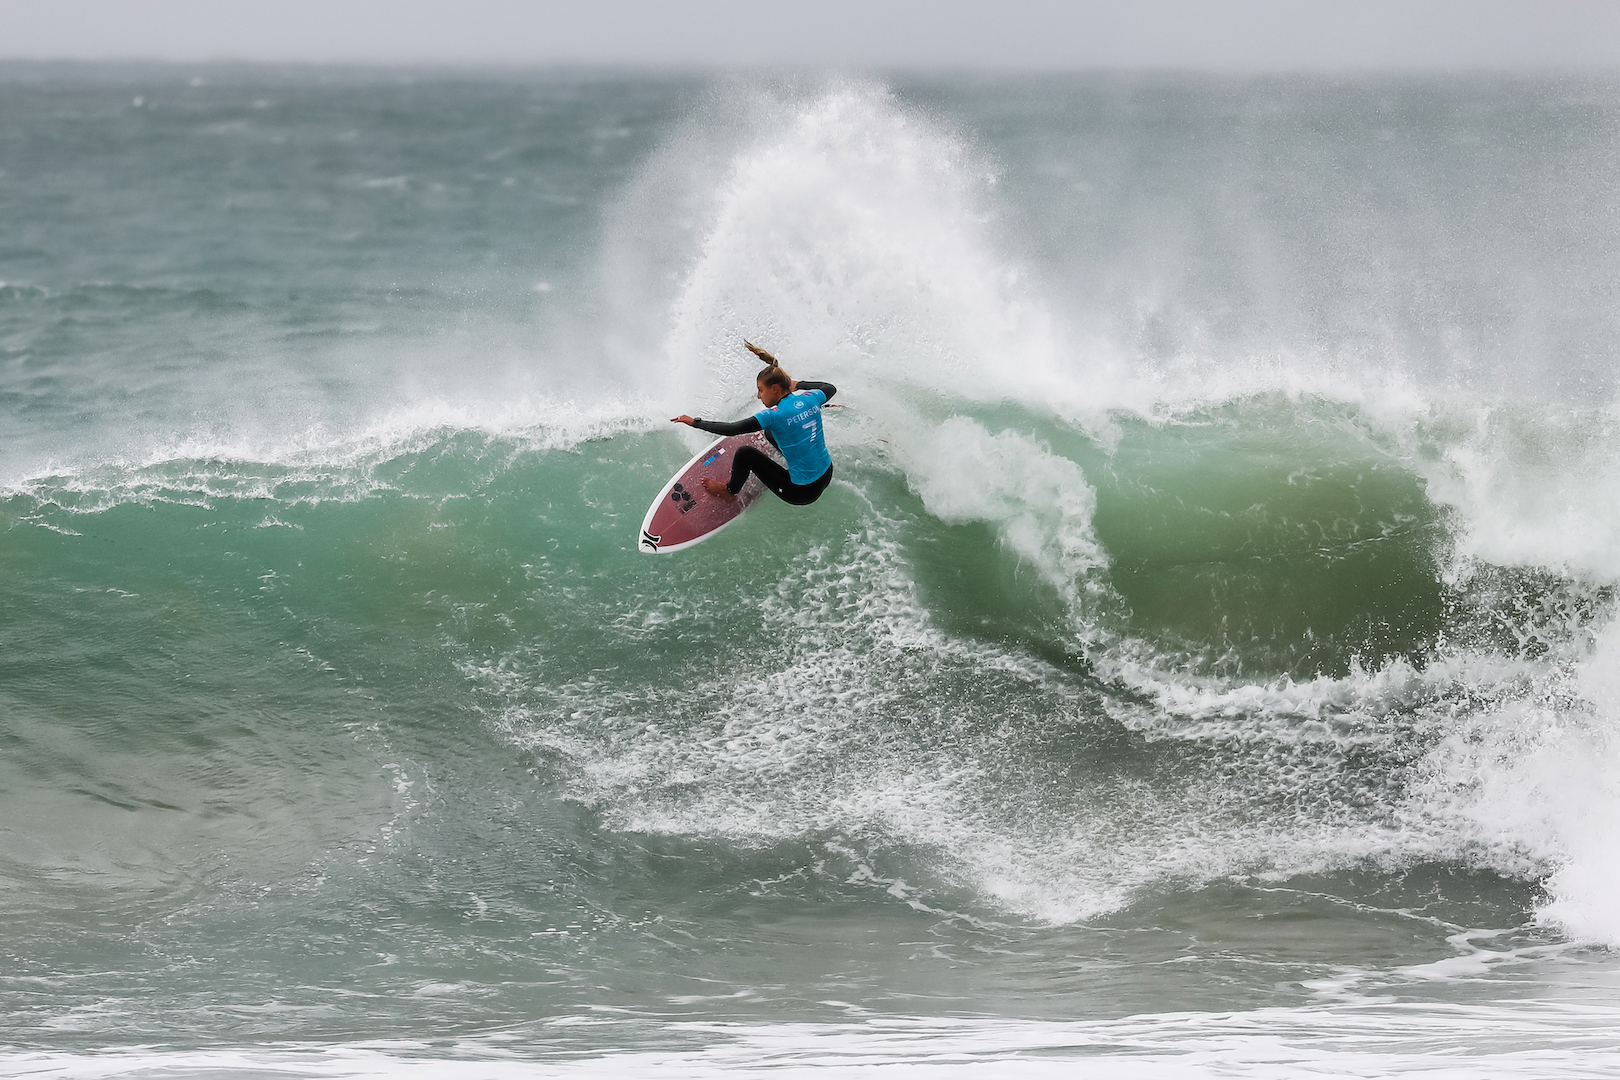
{"type": "Point", "coordinates": [1205, 660]}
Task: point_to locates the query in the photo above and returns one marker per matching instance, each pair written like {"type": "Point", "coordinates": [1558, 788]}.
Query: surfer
{"type": "Point", "coordinates": [791, 420]}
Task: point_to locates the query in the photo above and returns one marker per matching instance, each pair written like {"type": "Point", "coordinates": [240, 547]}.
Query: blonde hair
{"type": "Point", "coordinates": [772, 374]}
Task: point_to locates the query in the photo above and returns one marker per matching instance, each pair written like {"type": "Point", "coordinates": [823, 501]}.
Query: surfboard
{"type": "Point", "coordinates": [684, 514]}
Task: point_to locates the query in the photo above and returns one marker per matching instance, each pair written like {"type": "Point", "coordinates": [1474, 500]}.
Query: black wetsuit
{"type": "Point", "coordinates": [749, 460]}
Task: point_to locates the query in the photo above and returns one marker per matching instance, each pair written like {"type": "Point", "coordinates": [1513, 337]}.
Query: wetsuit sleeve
{"type": "Point", "coordinates": [720, 427]}
{"type": "Point", "coordinates": [825, 387]}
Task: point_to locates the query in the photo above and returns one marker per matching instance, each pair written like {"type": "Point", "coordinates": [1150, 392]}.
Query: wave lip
{"type": "Point", "coordinates": [324, 465]}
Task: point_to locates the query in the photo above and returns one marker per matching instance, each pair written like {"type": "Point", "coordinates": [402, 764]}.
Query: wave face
{"type": "Point", "coordinates": [1213, 611]}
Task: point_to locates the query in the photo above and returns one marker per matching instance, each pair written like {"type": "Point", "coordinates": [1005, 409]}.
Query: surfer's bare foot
{"type": "Point", "coordinates": [717, 488]}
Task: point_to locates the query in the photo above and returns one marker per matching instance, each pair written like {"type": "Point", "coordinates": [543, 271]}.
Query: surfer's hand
{"type": "Point", "coordinates": [682, 419]}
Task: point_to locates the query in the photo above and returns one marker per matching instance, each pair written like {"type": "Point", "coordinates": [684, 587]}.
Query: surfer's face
{"type": "Point", "coordinates": [770, 396]}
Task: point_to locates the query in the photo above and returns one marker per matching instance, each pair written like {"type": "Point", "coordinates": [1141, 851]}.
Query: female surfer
{"type": "Point", "coordinates": [791, 420]}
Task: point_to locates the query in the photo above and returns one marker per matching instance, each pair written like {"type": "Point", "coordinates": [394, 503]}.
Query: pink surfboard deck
{"type": "Point", "coordinates": [684, 514]}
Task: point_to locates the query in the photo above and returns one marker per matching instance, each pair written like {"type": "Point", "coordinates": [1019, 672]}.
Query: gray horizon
{"type": "Point", "coordinates": [1212, 35]}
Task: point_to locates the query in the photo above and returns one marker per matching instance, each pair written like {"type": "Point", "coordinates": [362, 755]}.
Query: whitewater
{"type": "Point", "coordinates": [1204, 662]}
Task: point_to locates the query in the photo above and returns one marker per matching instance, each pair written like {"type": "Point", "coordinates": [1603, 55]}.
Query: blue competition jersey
{"type": "Point", "coordinates": [795, 424]}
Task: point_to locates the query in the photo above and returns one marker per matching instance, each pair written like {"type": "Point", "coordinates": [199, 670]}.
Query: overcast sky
{"type": "Point", "coordinates": [1208, 34]}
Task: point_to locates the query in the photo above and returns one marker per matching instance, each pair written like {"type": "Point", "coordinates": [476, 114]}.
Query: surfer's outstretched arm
{"type": "Point", "coordinates": [749, 423]}
{"type": "Point", "coordinates": [720, 427]}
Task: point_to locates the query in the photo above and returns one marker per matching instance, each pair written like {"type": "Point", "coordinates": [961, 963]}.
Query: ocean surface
{"type": "Point", "coordinates": [1204, 662]}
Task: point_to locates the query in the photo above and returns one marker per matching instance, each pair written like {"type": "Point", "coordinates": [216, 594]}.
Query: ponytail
{"type": "Point", "coordinates": [772, 375]}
